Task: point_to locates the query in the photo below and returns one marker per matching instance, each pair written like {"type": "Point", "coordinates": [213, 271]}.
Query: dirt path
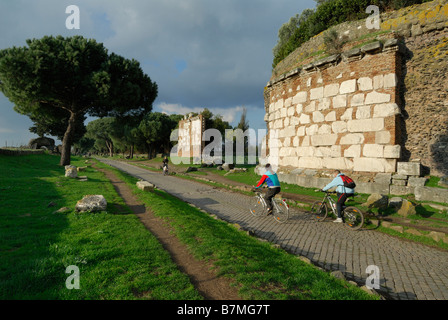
{"type": "Point", "coordinates": [205, 281]}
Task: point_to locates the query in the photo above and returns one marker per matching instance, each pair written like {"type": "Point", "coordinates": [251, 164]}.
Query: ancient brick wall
{"type": "Point", "coordinates": [371, 107]}
{"type": "Point", "coordinates": [338, 113]}
{"type": "Point", "coordinates": [190, 144]}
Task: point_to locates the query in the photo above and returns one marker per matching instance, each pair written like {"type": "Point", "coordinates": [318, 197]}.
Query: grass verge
{"type": "Point", "coordinates": [117, 257]}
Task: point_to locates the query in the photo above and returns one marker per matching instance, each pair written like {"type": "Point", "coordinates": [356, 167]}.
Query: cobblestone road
{"type": "Point", "coordinates": [408, 271]}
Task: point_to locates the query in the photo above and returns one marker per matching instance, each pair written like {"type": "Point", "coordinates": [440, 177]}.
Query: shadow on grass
{"type": "Point", "coordinates": [28, 228]}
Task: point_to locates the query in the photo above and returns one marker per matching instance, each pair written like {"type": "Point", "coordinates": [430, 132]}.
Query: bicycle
{"type": "Point", "coordinates": [353, 217]}
{"type": "Point", "coordinates": [165, 170]}
{"type": "Point", "coordinates": [259, 207]}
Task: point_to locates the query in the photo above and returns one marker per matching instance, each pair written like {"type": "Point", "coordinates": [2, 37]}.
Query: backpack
{"type": "Point", "coordinates": [348, 182]}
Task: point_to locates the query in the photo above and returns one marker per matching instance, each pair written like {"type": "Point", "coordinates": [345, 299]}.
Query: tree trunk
{"type": "Point", "coordinates": [68, 140]}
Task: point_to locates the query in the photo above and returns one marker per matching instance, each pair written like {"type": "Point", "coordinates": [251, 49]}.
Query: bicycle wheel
{"type": "Point", "coordinates": [319, 211]}
{"type": "Point", "coordinates": [257, 207]}
{"type": "Point", "coordinates": [281, 211]}
{"type": "Point", "coordinates": [353, 218]}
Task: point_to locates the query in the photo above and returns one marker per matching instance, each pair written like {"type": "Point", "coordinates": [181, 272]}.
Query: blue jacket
{"type": "Point", "coordinates": [270, 178]}
{"type": "Point", "coordinates": [340, 185]}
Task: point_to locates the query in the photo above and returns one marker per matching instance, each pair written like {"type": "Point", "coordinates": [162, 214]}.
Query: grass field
{"type": "Point", "coordinates": [117, 257]}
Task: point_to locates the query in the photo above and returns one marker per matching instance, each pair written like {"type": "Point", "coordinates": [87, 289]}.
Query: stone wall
{"type": "Point", "coordinates": [381, 102]}
{"type": "Point", "coordinates": [190, 144]}
{"type": "Point", "coordinates": [338, 113]}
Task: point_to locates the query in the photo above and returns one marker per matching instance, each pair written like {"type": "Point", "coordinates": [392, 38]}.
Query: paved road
{"type": "Point", "coordinates": [408, 271]}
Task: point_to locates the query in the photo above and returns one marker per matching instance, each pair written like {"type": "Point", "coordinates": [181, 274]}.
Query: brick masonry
{"type": "Point", "coordinates": [372, 106]}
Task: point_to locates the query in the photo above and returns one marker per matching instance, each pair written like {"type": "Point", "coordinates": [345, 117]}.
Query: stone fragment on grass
{"type": "Point", "coordinates": [71, 171]}
{"type": "Point", "coordinates": [91, 203]}
{"type": "Point", "coordinates": [145, 186]}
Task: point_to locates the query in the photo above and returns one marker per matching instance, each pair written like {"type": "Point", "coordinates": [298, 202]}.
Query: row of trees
{"type": "Point", "coordinates": [151, 135]}
{"type": "Point", "coordinates": [57, 82]}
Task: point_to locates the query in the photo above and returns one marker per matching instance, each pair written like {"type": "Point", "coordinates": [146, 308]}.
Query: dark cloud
{"type": "Point", "coordinates": [202, 53]}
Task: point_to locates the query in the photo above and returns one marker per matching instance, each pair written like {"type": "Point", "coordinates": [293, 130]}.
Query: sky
{"type": "Point", "coordinates": [214, 54]}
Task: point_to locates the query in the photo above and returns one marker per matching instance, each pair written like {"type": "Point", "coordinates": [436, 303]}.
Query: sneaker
{"type": "Point", "coordinates": [338, 220]}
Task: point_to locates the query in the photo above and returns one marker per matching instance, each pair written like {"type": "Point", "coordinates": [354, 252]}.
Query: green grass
{"type": "Point", "coordinates": [117, 257]}
{"type": "Point", "coordinates": [257, 268]}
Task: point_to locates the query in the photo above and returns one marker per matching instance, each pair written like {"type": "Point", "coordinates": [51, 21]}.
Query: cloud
{"type": "Point", "coordinates": [228, 114]}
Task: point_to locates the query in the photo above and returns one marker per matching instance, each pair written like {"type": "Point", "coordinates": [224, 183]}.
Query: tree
{"type": "Point", "coordinates": [156, 128]}
{"type": "Point", "coordinates": [103, 131]}
{"type": "Point", "coordinates": [75, 75]}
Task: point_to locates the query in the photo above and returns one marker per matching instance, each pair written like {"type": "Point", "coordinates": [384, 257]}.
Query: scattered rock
{"type": "Point", "coordinates": [228, 166]}
{"type": "Point", "coordinates": [438, 207]}
{"type": "Point", "coordinates": [63, 210]}
{"type": "Point", "coordinates": [437, 236]}
{"type": "Point", "coordinates": [145, 186]}
{"type": "Point", "coordinates": [81, 169]}
{"type": "Point", "coordinates": [91, 203]}
{"type": "Point", "coordinates": [191, 169]}
{"type": "Point", "coordinates": [443, 182]}
{"type": "Point", "coordinates": [406, 209]}
{"type": "Point", "coordinates": [338, 274]}
{"type": "Point", "coordinates": [71, 171]}
{"type": "Point", "coordinates": [377, 200]}
{"type": "Point", "coordinates": [397, 228]}
{"type": "Point", "coordinates": [220, 168]}
{"type": "Point", "coordinates": [395, 202]}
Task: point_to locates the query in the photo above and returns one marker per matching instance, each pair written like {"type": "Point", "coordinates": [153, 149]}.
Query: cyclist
{"type": "Point", "coordinates": [271, 178]}
{"type": "Point", "coordinates": [341, 191]}
{"type": "Point", "coordinates": [165, 165]}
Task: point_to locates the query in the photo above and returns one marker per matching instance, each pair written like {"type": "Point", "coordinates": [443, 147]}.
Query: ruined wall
{"type": "Point", "coordinates": [190, 144]}
{"type": "Point", "coordinates": [338, 113]}
{"type": "Point", "coordinates": [376, 104]}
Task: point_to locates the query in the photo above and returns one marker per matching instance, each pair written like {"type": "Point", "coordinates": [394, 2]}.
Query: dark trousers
{"type": "Point", "coordinates": [342, 197]}
{"type": "Point", "coordinates": [271, 194]}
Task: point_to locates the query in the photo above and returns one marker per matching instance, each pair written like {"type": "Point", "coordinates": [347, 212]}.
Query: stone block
{"type": "Point", "coordinates": [348, 86]}
{"type": "Point", "coordinates": [401, 190]}
{"type": "Point", "coordinates": [324, 104]}
{"type": "Point", "coordinates": [310, 162]}
{"type": "Point", "coordinates": [352, 138]}
{"type": "Point", "coordinates": [317, 93]}
{"type": "Point", "coordinates": [353, 152]}
{"type": "Point", "coordinates": [305, 151]}
{"type": "Point", "coordinates": [365, 125]}
{"type": "Point", "coordinates": [145, 186]}
{"type": "Point", "coordinates": [382, 137]}
{"type": "Point", "coordinates": [375, 97]}
{"type": "Point", "coordinates": [373, 151]}
{"type": "Point", "coordinates": [312, 130]}
{"type": "Point", "coordinates": [378, 82]}
{"type": "Point", "coordinates": [348, 114]}
{"type": "Point", "coordinates": [363, 112]}
{"type": "Point", "coordinates": [304, 118]}
{"type": "Point", "coordinates": [431, 194]}
{"type": "Point", "coordinates": [300, 97]}
{"type": "Point", "coordinates": [324, 140]}
{"type": "Point", "coordinates": [331, 90]}
{"type": "Point", "coordinates": [417, 182]}
{"type": "Point", "coordinates": [91, 203]}
{"type": "Point", "coordinates": [358, 100]}
{"type": "Point", "coordinates": [369, 188]}
{"type": "Point", "coordinates": [392, 152]}
{"type": "Point", "coordinates": [399, 182]}
{"type": "Point", "coordinates": [318, 116]}
{"type": "Point", "coordinates": [340, 101]}
{"type": "Point", "coordinates": [339, 126]}
{"type": "Point", "coordinates": [325, 129]}
{"type": "Point", "coordinates": [390, 80]}
{"type": "Point", "coordinates": [374, 165]}
{"type": "Point", "coordinates": [331, 116]}
{"type": "Point", "coordinates": [383, 178]}
{"type": "Point", "coordinates": [365, 84]}
{"type": "Point", "coordinates": [386, 110]}
{"type": "Point", "coordinates": [409, 168]}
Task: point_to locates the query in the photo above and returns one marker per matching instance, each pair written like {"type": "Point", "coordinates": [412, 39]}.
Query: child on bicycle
{"type": "Point", "coordinates": [271, 178]}
{"type": "Point", "coordinates": [342, 192]}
